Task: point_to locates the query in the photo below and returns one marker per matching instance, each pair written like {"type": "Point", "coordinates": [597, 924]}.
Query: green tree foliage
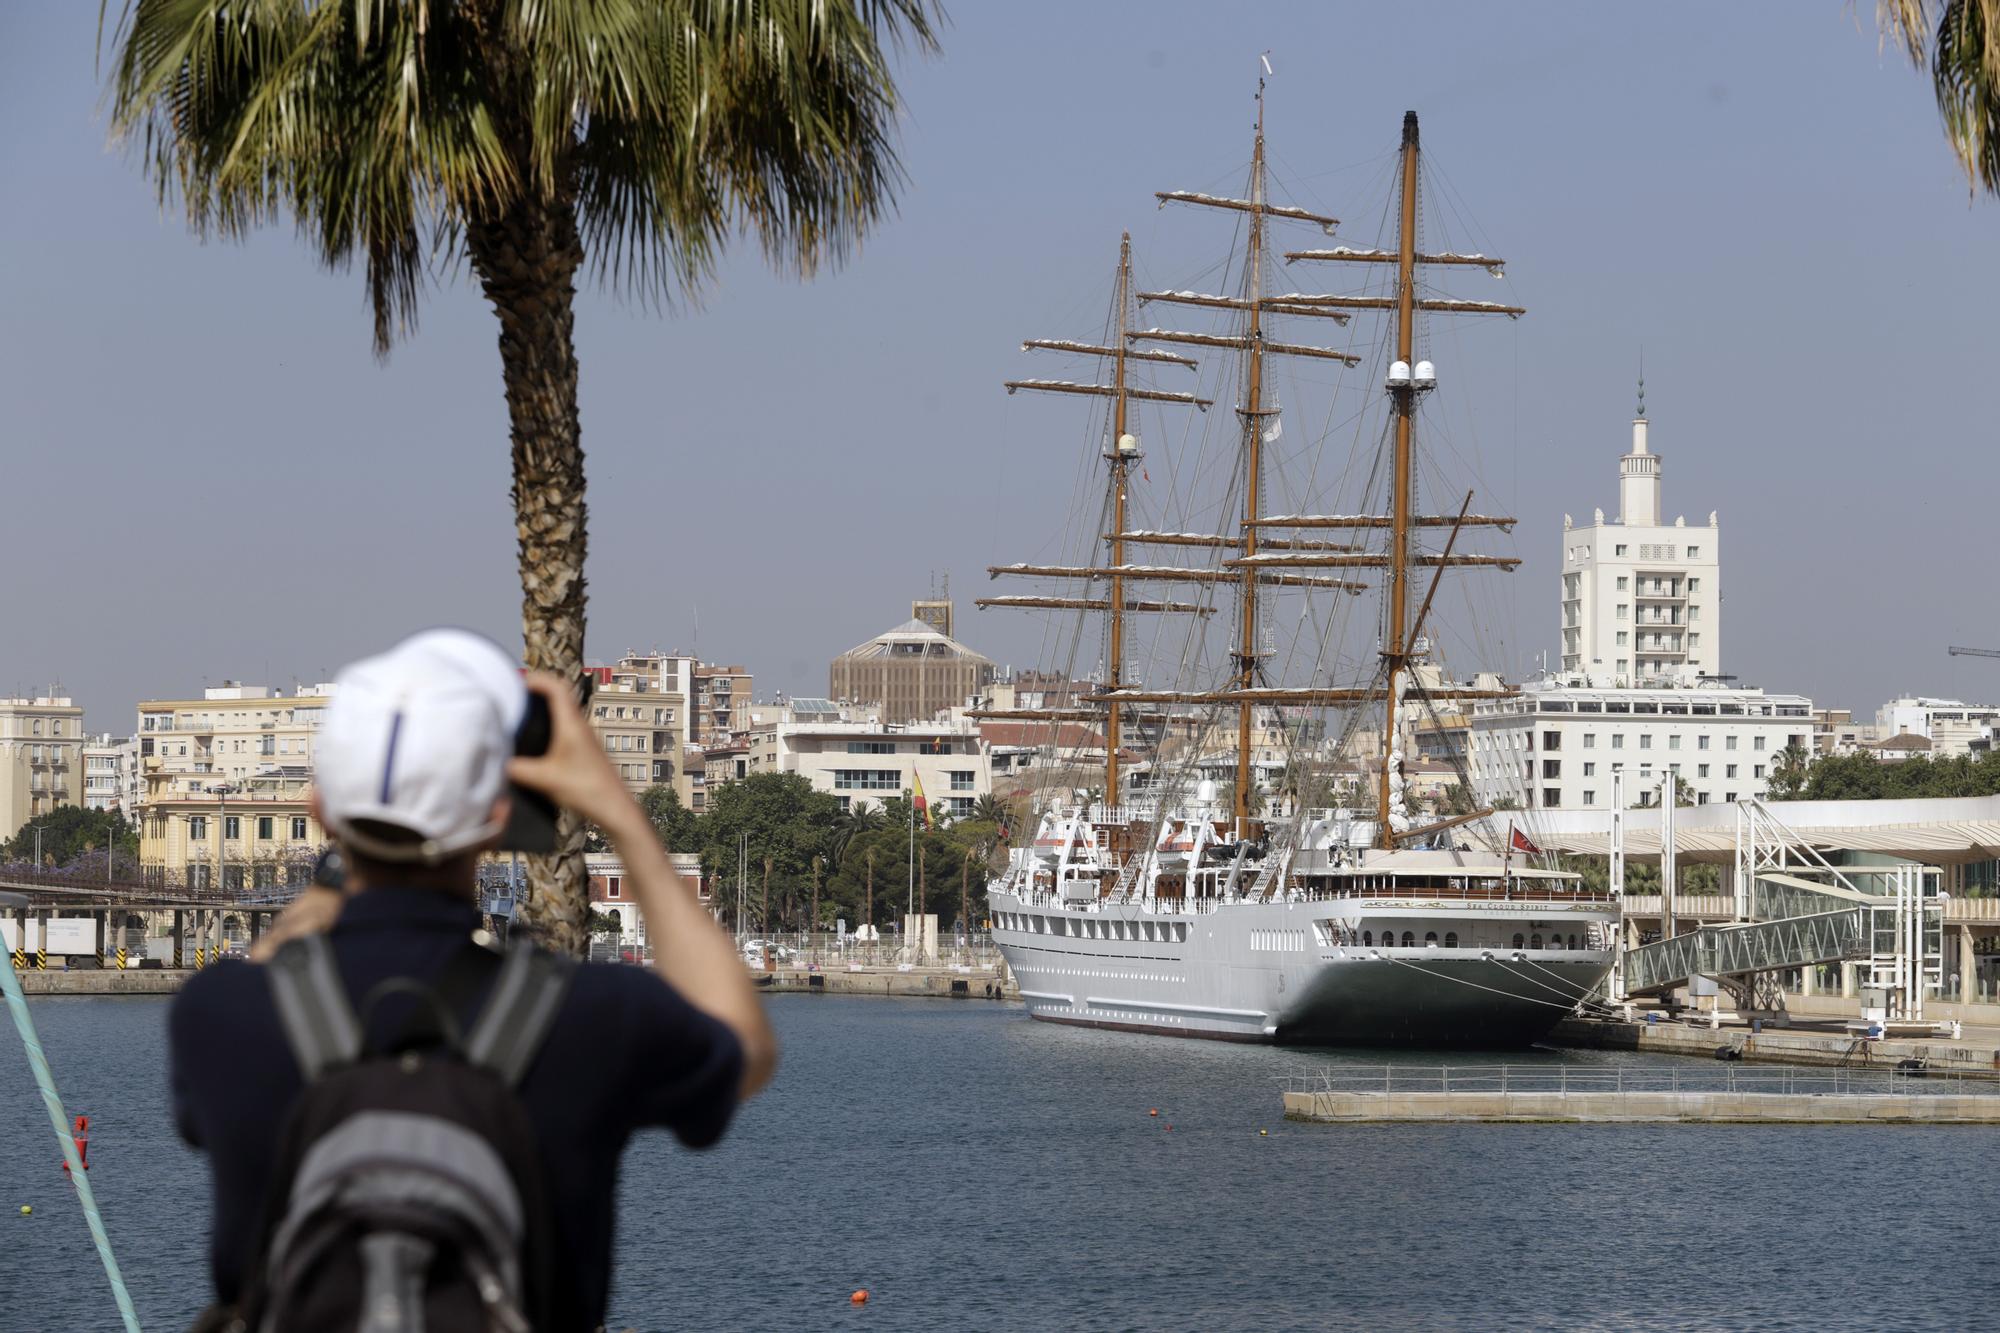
{"type": "Point", "coordinates": [674, 822]}
{"type": "Point", "coordinates": [69, 832]}
{"type": "Point", "coordinates": [1860, 776]}
{"type": "Point", "coordinates": [525, 144]}
{"type": "Point", "coordinates": [766, 816]}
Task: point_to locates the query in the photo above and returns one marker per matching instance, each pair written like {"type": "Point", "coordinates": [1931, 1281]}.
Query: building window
{"type": "Point", "coordinates": [868, 779]}
{"type": "Point", "coordinates": [1621, 666]}
{"type": "Point", "coordinates": [961, 779]}
{"type": "Point", "coordinates": [1617, 740]}
{"type": "Point", "coordinates": [1645, 740]}
{"type": "Point", "coordinates": [1673, 742]}
{"type": "Point", "coordinates": [1552, 740]}
{"type": "Point", "coordinates": [1590, 770]}
{"type": "Point", "coordinates": [1590, 740]}
{"type": "Point", "coordinates": [614, 886]}
{"type": "Point", "coordinates": [871, 747]}
{"type": "Point", "coordinates": [1694, 553]}
{"type": "Point", "coordinates": [232, 827]}
{"type": "Point", "coordinates": [1620, 611]}
{"type": "Point", "coordinates": [1552, 768]}
{"type": "Point", "coordinates": [267, 826]}
{"type": "Point", "coordinates": [298, 828]}
{"type": "Point", "coordinates": [1701, 770]}
{"type": "Point", "coordinates": [1618, 551]}
{"type": "Point", "coordinates": [1589, 796]}
{"type": "Point", "coordinates": [1552, 797]}
{"type": "Point", "coordinates": [1757, 742]}
{"type": "Point", "coordinates": [1621, 638]}
{"type": "Point", "coordinates": [198, 828]}
{"type": "Point", "coordinates": [1729, 771]}
{"type": "Point", "coordinates": [1621, 583]}
{"type": "Point", "coordinates": [1701, 742]}
{"type": "Point", "coordinates": [1757, 770]}
{"type": "Point", "coordinates": [1728, 742]}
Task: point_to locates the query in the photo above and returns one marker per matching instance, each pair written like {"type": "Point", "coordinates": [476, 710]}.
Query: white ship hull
{"type": "Point", "coordinates": [1473, 974]}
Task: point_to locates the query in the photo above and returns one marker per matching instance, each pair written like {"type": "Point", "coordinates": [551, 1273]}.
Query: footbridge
{"type": "Point", "coordinates": [1797, 923]}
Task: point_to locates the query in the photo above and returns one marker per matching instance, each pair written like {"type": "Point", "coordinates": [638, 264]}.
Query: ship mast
{"type": "Point", "coordinates": [1403, 397]}
{"type": "Point", "coordinates": [1253, 472]}
{"type": "Point", "coordinates": [1121, 462]}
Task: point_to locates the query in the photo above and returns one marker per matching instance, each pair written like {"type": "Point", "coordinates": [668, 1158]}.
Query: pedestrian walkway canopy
{"type": "Point", "coordinates": [1940, 832]}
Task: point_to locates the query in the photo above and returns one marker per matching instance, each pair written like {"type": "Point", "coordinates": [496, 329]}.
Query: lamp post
{"type": "Point", "coordinates": [222, 795]}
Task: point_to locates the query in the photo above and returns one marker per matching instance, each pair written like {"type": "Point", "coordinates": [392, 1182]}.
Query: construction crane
{"type": "Point", "coordinates": [1956, 651]}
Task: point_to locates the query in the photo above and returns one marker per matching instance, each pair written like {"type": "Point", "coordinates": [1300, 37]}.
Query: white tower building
{"type": "Point", "coordinates": [1641, 600]}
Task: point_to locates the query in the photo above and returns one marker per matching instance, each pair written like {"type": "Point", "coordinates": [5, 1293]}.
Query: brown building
{"type": "Point", "coordinates": [721, 701]}
{"type": "Point", "coordinates": [910, 673]}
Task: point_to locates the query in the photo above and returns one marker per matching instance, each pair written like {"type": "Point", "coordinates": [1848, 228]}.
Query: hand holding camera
{"type": "Point", "coordinates": [572, 771]}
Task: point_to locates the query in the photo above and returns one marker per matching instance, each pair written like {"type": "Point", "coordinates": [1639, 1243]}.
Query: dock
{"type": "Point", "coordinates": [1826, 1044]}
{"type": "Point", "coordinates": [945, 983]}
{"type": "Point", "coordinates": [1600, 1094]}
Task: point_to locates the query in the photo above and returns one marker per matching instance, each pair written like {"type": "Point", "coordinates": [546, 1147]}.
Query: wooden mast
{"type": "Point", "coordinates": [1120, 461]}
{"type": "Point", "coordinates": [1253, 472]}
{"type": "Point", "coordinates": [1395, 650]}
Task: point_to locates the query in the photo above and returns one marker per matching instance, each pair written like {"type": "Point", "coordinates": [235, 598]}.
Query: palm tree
{"type": "Point", "coordinates": [856, 822]}
{"type": "Point", "coordinates": [634, 137]}
{"type": "Point", "coordinates": [1960, 40]}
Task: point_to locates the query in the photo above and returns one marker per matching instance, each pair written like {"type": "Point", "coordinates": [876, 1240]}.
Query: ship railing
{"type": "Point", "coordinates": [1516, 895]}
{"type": "Point", "coordinates": [1578, 1080]}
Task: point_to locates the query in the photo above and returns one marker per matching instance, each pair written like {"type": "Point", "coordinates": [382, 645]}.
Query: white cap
{"type": "Point", "coordinates": [418, 738]}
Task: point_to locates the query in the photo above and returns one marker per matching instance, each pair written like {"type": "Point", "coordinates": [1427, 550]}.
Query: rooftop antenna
{"type": "Point", "coordinates": [1642, 379]}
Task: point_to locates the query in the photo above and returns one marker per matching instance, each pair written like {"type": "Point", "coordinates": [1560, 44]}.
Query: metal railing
{"type": "Point", "coordinates": [1570, 1080]}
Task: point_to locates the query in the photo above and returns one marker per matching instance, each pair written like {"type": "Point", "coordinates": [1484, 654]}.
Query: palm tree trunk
{"type": "Point", "coordinates": [526, 260]}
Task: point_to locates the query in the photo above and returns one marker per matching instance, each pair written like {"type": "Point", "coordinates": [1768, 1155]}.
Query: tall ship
{"type": "Point", "coordinates": [1252, 863]}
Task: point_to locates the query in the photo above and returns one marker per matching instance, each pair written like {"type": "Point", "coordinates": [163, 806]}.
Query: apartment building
{"type": "Point", "coordinates": [1558, 743]}
{"type": "Point", "coordinates": [111, 778]}
{"type": "Point", "coordinates": [41, 758]}
{"type": "Point", "coordinates": [1641, 599]}
{"type": "Point", "coordinates": [233, 732]}
{"type": "Point", "coordinates": [1952, 726]}
{"type": "Point", "coordinates": [642, 726]}
{"type": "Point", "coordinates": [720, 702]}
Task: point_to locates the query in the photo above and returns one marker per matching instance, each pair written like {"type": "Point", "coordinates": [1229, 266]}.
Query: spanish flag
{"type": "Point", "coordinates": [923, 806]}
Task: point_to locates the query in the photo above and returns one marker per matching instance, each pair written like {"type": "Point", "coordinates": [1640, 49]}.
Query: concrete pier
{"type": "Point", "coordinates": [937, 982]}
{"type": "Point", "coordinates": [1976, 1053]}
{"type": "Point", "coordinates": [1705, 1107]}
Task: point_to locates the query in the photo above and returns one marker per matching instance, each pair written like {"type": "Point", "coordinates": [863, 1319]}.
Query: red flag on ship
{"type": "Point", "coordinates": [1518, 841]}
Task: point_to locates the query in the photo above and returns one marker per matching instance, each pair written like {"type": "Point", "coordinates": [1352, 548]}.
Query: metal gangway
{"type": "Point", "coordinates": [1796, 909]}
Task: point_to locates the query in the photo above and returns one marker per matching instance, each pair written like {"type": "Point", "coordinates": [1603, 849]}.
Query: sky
{"type": "Point", "coordinates": [211, 476]}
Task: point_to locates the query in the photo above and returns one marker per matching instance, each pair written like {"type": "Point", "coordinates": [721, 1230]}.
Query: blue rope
{"type": "Point", "coordinates": [17, 1003]}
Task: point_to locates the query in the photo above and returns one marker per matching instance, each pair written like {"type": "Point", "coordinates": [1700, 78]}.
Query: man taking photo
{"type": "Point", "coordinates": [400, 1121]}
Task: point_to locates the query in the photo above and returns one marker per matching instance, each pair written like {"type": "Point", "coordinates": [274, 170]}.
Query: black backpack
{"type": "Point", "coordinates": [407, 1194]}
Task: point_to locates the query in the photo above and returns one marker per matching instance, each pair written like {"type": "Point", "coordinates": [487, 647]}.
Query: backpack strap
{"type": "Point", "coordinates": [517, 1016]}
{"type": "Point", "coordinates": [319, 1023]}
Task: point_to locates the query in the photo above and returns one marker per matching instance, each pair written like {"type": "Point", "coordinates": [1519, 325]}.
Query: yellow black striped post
{"type": "Point", "coordinates": [20, 960]}
{"type": "Point", "coordinates": [121, 959]}
{"type": "Point", "coordinates": [41, 960]}
{"type": "Point", "coordinates": [200, 955]}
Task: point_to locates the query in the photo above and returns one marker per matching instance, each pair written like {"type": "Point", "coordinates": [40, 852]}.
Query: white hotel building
{"type": "Point", "coordinates": [1641, 600]}
{"type": "Point", "coordinates": [1641, 627]}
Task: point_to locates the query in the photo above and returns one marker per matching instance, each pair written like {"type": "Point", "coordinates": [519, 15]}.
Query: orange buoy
{"type": "Point", "coordinates": [860, 1297]}
{"type": "Point", "coordinates": [1154, 1111]}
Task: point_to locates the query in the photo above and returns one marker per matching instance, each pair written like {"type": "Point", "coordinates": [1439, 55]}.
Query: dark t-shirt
{"type": "Point", "coordinates": [626, 1051]}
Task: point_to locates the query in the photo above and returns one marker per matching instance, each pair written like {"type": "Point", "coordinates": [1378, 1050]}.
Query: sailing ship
{"type": "Point", "coordinates": [1169, 902]}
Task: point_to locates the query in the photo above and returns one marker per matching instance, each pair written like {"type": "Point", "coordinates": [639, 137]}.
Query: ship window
{"type": "Point", "coordinates": [1367, 939]}
{"type": "Point", "coordinates": [1409, 939]}
{"type": "Point", "coordinates": [1451, 939]}
{"type": "Point", "coordinates": [1572, 941]}
{"type": "Point", "coordinates": [1430, 939]}
{"type": "Point", "coordinates": [1535, 941]}
{"type": "Point", "coordinates": [1518, 941]}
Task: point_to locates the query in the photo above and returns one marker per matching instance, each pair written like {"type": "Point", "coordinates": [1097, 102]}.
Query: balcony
{"type": "Point", "coordinates": [1670, 593]}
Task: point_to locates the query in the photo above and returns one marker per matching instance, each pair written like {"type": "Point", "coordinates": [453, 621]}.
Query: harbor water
{"type": "Point", "coordinates": [974, 1169]}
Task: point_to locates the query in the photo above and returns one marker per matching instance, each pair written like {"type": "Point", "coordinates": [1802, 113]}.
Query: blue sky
{"type": "Point", "coordinates": [213, 477]}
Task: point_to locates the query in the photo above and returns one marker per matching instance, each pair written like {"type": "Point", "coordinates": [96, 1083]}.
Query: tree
{"type": "Point", "coordinates": [528, 141]}
{"type": "Point", "coordinates": [674, 822]}
{"type": "Point", "coordinates": [1960, 40]}
{"type": "Point", "coordinates": [1789, 769]}
{"type": "Point", "coordinates": [777, 817]}
{"type": "Point", "coordinates": [70, 833]}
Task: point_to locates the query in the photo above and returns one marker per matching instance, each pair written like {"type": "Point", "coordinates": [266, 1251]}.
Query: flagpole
{"type": "Point", "coordinates": [913, 865]}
